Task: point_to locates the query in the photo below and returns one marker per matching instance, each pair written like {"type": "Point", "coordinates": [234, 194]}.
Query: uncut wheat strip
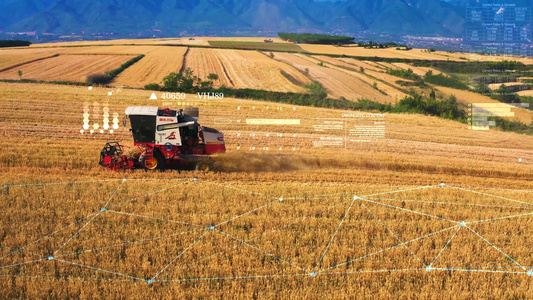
{"type": "Point", "coordinates": [251, 69]}
{"type": "Point", "coordinates": [334, 87]}
{"type": "Point", "coordinates": [420, 71]}
{"type": "Point", "coordinates": [390, 88]}
{"type": "Point", "coordinates": [386, 65]}
{"type": "Point", "coordinates": [203, 62]}
{"type": "Point", "coordinates": [366, 65]}
{"type": "Point", "coordinates": [347, 83]}
{"type": "Point", "coordinates": [157, 64]}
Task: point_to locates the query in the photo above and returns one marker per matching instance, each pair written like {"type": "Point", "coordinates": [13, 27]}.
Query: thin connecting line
{"type": "Point", "coordinates": [488, 188]}
{"type": "Point", "coordinates": [69, 278]}
{"type": "Point", "coordinates": [129, 243]}
{"type": "Point", "coordinates": [411, 211]}
{"type": "Point", "coordinates": [96, 215]}
{"type": "Point", "coordinates": [149, 194]}
{"type": "Point", "coordinates": [246, 213]}
{"type": "Point", "coordinates": [331, 240]}
{"type": "Point", "coordinates": [15, 250]}
{"type": "Point", "coordinates": [22, 263]}
{"type": "Point", "coordinates": [500, 218]}
{"type": "Point", "coordinates": [162, 270]}
{"type": "Point", "coordinates": [154, 218]}
{"type": "Point", "coordinates": [497, 248]}
{"type": "Point", "coordinates": [371, 271]}
{"type": "Point", "coordinates": [227, 278]}
{"type": "Point", "coordinates": [494, 196]}
{"type": "Point", "coordinates": [451, 203]}
{"type": "Point", "coordinates": [445, 246]}
{"type": "Point", "coordinates": [132, 278]}
{"type": "Point", "coordinates": [474, 270]}
{"type": "Point", "coordinates": [161, 179]}
{"type": "Point", "coordinates": [48, 235]}
{"type": "Point", "coordinates": [258, 249]}
{"type": "Point", "coordinates": [395, 236]}
{"type": "Point", "coordinates": [399, 191]}
{"type": "Point", "coordinates": [260, 236]}
{"type": "Point", "coordinates": [339, 194]}
{"type": "Point", "coordinates": [387, 249]}
{"type": "Point", "coordinates": [97, 269]}
{"type": "Point", "coordinates": [61, 183]}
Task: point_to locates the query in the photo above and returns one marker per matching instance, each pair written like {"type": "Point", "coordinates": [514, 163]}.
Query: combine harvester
{"type": "Point", "coordinates": [167, 139]}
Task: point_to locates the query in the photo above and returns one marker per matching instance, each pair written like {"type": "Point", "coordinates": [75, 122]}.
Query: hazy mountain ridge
{"type": "Point", "coordinates": [424, 17]}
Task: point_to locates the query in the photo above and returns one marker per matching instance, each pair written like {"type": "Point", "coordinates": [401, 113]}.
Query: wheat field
{"type": "Point", "coordinates": [66, 67]}
{"type": "Point", "coordinates": [132, 241]}
{"type": "Point", "coordinates": [157, 64]}
{"type": "Point", "coordinates": [431, 210]}
{"type": "Point", "coordinates": [244, 69]}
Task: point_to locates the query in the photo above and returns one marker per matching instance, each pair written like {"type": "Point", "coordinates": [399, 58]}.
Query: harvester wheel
{"type": "Point", "coordinates": [151, 163]}
{"type": "Point", "coordinates": [203, 166]}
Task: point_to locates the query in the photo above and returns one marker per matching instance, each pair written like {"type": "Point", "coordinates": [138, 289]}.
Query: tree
{"type": "Point", "coordinates": [20, 74]}
{"type": "Point", "coordinates": [432, 95]}
{"type": "Point", "coordinates": [272, 54]}
{"type": "Point", "coordinates": [212, 76]}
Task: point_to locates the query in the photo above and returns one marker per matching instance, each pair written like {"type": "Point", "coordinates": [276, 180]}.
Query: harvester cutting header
{"type": "Point", "coordinates": [166, 139]}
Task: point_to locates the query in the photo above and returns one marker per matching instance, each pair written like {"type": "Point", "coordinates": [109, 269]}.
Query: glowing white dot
{"type": "Point", "coordinates": [82, 131]}
{"type": "Point", "coordinates": [110, 93]}
{"type": "Point", "coordinates": [106, 126]}
{"type": "Point", "coordinates": [519, 160]}
{"type": "Point", "coordinates": [96, 126]}
{"type": "Point", "coordinates": [115, 126]}
{"type": "Point", "coordinates": [111, 131]}
{"type": "Point", "coordinates": [101, 131]}
{"type": "Point", "coordinates": [92, 131]}
{"type": "Point", "coordinates": [106, 120]}
{"type": "Point", "coordinates": [86, 126]}
{"type": "Point", "coordinates": [90, 88]}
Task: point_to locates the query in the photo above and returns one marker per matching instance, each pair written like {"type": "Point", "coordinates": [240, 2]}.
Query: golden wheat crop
{"type": "Point", "coordinates": [65, 67]}
{"type": "Point", "coordinates": [157, 64]}
{"type": "Point", "coordinates": [378, 80]}
{"type": "Point", "coordinates": [245, 69]}
{"type": "Point", "coordinates": [13, 57]}
{"type": "Point", "coordinates": [338, 83]}
{"type": "Point", "coordinates": [420, 71]}
{"type": "Point", "coordinates": [167, 235]}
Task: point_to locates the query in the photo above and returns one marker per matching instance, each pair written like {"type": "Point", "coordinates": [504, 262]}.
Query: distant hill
{"type": "Point", "coordinates": [13, 11]}
{"type": "Point", "coordinates": [171, 17]}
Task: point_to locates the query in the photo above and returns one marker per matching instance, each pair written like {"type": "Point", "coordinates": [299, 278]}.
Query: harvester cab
{"type": "Point", "coordinates": [172, 138]}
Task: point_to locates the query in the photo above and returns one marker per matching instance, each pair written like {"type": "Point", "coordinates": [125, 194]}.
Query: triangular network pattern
{"type": "Point", "coordinates": [450, 235]}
